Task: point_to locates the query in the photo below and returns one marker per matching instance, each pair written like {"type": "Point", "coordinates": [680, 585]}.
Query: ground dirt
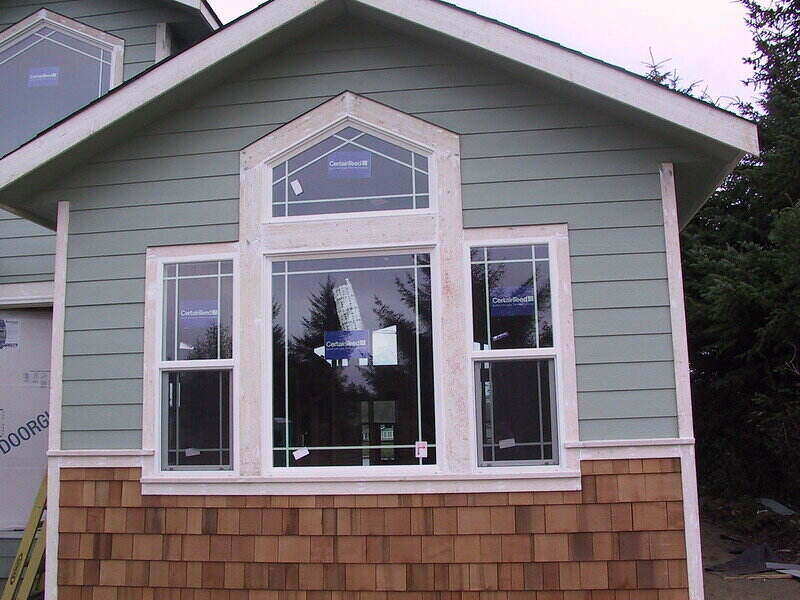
{"type": "Point", "coordinates": [717, 550]}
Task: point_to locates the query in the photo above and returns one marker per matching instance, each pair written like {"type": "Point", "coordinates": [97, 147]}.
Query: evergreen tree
{"type": "Point", "coordinates": [742, 280]}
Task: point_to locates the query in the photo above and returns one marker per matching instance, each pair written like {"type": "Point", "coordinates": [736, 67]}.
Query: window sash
{"type": "Point", "coordinates": [279, 268]}
{"type": "Point", "coordinates": [542, 252]}
{"type": "Point", "coordinates": [551, 400]}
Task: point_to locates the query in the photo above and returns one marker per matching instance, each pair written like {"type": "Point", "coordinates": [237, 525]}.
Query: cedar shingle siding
{"type": "Point", "coordinates": [619, 538]}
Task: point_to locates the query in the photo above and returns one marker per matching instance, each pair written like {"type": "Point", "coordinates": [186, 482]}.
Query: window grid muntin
{"type": "Point", "coordinates": [284, 273]}
{"type": "Point", "coordinates": [177, 278]}
{"type": "Point", "coordinates": [167, 397]}
{"type": "Point", "coordinates": [170, 270]}
{"type": "Point", "coordinates": [284, 174]}
{"type": "Point", "coordinates": [541, 252]}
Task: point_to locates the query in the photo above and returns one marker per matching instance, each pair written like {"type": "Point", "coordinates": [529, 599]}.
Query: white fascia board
{"type": "Point", "coordinates": [149, 86]}
{"type": "Point", "coordinates": [574, 68]}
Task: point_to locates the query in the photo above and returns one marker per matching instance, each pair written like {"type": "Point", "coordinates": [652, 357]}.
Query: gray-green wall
{"type": "Point", "coordinates": [529, 157]}
{"type": "Point", "coordinates": [26, 250]}
{"type": "Point", "coordinates": [8, 551]}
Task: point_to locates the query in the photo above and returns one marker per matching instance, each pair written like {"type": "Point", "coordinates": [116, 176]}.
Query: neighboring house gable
{"type": "Point", "coordinates": [26, 249]}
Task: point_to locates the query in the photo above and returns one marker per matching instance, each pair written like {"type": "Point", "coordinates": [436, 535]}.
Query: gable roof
{"type": "Point", "coordinates": [721, 136]}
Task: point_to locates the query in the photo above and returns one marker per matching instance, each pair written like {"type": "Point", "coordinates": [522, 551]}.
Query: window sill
{"type": "Point", "coordinates": [487, 480]}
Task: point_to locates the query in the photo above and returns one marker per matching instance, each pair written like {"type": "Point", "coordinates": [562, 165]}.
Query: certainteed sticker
{"type": "Point", "coordinates": [199, 313]}
{"type": "Point", "coordinates": [341, 345]}
{"type": "Point", "coordinates": [350, 164]}
{"type": "Point", "coordinates": [43, 76]}
{"type": "Point", "coordinates": [512, 301]}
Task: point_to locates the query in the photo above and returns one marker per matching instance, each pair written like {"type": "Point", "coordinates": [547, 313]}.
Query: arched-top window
{"type": "Point", "coordinates": [50, 66]}
{"type": "Point", "coordinates": [352, 170]}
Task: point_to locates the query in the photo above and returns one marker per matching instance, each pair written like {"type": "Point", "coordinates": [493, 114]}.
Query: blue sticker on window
{"type": "Point", "coordinates": [346, 344]}
{"type": "Point", "coordinates": [350, 164]}
{"type": "Point", "coordinates": [43, 76]}
{"type": "Point", "coordinates": [199, 314]}
{"type": "Point", "coordinates": [512, 301]}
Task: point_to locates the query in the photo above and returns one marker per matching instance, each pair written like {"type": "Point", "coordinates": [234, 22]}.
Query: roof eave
{"type": "Point", "coordinates": [720, 129]}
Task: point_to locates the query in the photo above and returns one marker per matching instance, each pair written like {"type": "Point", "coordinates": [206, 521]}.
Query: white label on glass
{"type": "Point", "coordinates": [9, 333]}
{"type": "Point", "coordinates": [421, 449]}
{"type": "Point", "coordinates": [300, 453]}
{"type": "Point", "coordinates": [296, 187]}
{"type": "Point", "coordinates": [192, 452]}
{"type": "Point", "coordinates": [507, 443]}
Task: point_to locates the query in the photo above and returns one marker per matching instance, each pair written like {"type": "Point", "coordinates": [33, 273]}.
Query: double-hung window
{"type": "Point", "coordinates": [514, 355]}
{"type": "Point", "coordinates": [196, 365]}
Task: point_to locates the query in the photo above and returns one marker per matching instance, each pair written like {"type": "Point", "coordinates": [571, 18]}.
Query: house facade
{"type": "Point", "coordinates": [371, 299]}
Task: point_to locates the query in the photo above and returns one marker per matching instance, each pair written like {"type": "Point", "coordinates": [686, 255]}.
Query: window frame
{"type": "Point", "coordinates": [564, 409]}
{"type": "Point", "coordinates": [155, 366]}
{"type": "Point", "coordinates": [47, 18]}
{"type": "Point", "coordinates": [359, 471]}
{"type": "Point", "coordinates": [318, 136]}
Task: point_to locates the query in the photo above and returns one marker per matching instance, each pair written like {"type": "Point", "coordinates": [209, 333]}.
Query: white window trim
{"type": "Point", "coordinates": [565, 395]}
{"type": "Point", "coordinates": [152, 411]}
{"type": "Point", "coordinates": [437, 231]}
{"type": "Point", "coordinates": [44, 17]}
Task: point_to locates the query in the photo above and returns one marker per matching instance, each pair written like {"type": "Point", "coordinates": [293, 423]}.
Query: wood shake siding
{"type": "Point", "coordinates": [620, 538]}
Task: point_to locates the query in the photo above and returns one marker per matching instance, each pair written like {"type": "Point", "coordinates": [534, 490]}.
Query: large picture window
{"type": "Point", "coordinates": [47, 72]}
{"type": "Point", "coordinates": [514, 352]}
{"type": "Point", "coordinates": [352, 361]}
{"type": "Point", "coordinates": [196, 365]}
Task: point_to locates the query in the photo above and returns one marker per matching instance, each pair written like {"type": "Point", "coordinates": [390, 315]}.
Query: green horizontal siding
{"type": "Point", "coordinates": [8, 551]}
{"type": "Point", "coordinates": [530, 156]}
{"type": "Point", "coordinates": [27, 251]}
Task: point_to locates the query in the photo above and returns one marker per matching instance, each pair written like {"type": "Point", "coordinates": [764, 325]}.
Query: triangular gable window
{"type": "Point", "coordinates": [50, 66]}
{"type": "Point", "coordinates": [351, 170]}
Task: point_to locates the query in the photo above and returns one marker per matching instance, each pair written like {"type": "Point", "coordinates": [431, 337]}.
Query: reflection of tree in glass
{"type": "Point", "coordinates": [515, 331]}
{"type": "Point", "coordinates": [399, 383]}
{"type": "Point", "coordinates": [323, 406]}
{"type": "Point", "coordinates": [206, 346]}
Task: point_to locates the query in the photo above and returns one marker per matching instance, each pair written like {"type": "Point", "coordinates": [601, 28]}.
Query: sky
{"type": "Point", "coordinates": [705, 40]}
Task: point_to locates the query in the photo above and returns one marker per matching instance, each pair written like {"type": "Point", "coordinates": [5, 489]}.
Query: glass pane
{"type": "Point", "coordinates": [541, 251]}
{"type": "Point", "coordinates": [298, 209]}
{"type": "Point", "coordinates": [515, 408]}
{"type": "Point", "coordinates": [357, 456]}
{"type": "Point", "coordinates": [198, 423]}
{"type": "Point", "coordinates": [509, 253]}
{"type": "Point", "coordinates": [353, 360]}
{"type": "Point", "coordinates": [200, 268]}
{"type": "Point", "coordinates": [544, 304]}
{"type": "Point", "coordinates": [44, 79]}
{"type": "Point", "coordinates": [198, 312]}
{"type": "Point", "coordinates": [512, 292]}
{"type": "Point", "coordinates": [350, 171]}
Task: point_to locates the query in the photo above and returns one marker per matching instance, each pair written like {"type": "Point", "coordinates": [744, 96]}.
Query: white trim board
{"type": "Point", "coordinates": [26, 295]}
{"type": "Point", "coordinates": [719, 126]}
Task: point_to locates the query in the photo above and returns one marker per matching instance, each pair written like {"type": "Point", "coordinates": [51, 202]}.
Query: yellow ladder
{"type": "Point", "coordinates": [26, 577]}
